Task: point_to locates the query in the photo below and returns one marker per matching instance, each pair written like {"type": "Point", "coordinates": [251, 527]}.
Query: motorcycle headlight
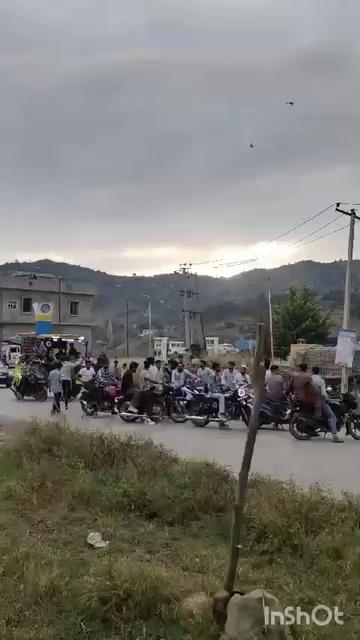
{"type": "Point", "coordinates": [242, 393]}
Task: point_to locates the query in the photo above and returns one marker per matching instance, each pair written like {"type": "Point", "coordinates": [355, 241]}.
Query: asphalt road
{"type": "Point", "coordinates": [276, 454]}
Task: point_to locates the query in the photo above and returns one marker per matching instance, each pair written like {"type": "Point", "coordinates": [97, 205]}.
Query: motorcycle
{"type": "Point", "coordinates": [35, 387]}
{"type": "Point", "coordinates": [239, 404]}
{"type": "Point", "coordinates": [176, 406]}
{"type": "Point", "coordinates": [96, 399]}
{"type": "Point", "coordinates": [304, 426]}
{"type": "Point", "coordinates": [274, 413]}
{"type": "Point", "coordinates": [123, 402]}
{"type": "Point", "coordinates": [204, 408]}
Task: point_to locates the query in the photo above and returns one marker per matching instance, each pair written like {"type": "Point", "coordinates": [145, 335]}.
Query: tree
{"type": "Point", "coordinates": [300, 316]}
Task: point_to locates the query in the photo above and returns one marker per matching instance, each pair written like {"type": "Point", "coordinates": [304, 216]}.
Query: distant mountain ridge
{"type": "Point", "coordinates": [238, 292]}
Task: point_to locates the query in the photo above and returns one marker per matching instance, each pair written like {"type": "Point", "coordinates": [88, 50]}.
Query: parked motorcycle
{"type": "Point", "coordinates": [304, 426]}
{"type": "Point", "coordinates": [35, 387]}
{"type": "Point", "coordinates": [94, 399]}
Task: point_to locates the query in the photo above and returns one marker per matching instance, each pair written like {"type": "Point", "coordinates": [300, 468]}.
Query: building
{"type": "Point", "coordinates": [72, 304]}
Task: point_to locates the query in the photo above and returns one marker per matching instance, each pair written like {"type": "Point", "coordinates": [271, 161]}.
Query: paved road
{"type": "Point", "coordinates": [276, 454]}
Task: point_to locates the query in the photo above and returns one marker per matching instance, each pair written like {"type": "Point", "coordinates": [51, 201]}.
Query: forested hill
{"type": "Point", "coordinates": [221, 298]}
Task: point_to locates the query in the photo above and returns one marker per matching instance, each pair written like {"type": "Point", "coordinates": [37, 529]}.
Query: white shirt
{"type": "Point", "coordinates": [86, 375]}
{"type": "Point", "coordinates": [229, 378]}
{"type": "Point", "coordinates": [319, 384]}
{"type": "Point", "coordinates": [204, 374]}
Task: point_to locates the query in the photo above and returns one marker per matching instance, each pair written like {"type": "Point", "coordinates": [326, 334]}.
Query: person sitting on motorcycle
{"type": "Point", "coordinates": [215, 390]}
{"type": "Point", "coordinates": [128, 385]}
{"type": "Point", "coordinates": [143, 399]}
{"type": "Point", "coordinates": [326, 411]}
{"type": "Point", "coordinates": [243, 376]}
{"type": "Point", "coordinates": [180, 376]}
{"type": "Point", "coordinates": [87, 373]}
{"type": "Point", "coordinates": [275, 390]}
{"type": "Point", "coordinates": [102, 380]}
{"type": "Point", "coordinates": [204, 374]}
{"type": "Point", "coordinates": [230, 377]}
{"type": "Point", "coordinates": [22, 373]}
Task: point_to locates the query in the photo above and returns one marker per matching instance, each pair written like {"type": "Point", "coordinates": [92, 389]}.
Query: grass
{"type": "Point", "coordinates": [168, 524]}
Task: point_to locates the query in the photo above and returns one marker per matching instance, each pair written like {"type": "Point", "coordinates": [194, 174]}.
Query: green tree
{"type": "Point", "coordinates": [300, 316]}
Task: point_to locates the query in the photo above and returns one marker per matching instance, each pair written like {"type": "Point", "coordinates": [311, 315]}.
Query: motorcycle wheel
{"type": "Point", "coordinates": [87, 409]}
{"type": "Point", "coordinates": [41, 395]}
{"type": "Point", "coordinates": [200, 421]}
{"type": "Point", "coordinates": [295, 429]}
{"type": "Point", "coordinates": [158, 409]}
{"type": "Point", "coordinates": [176, 414]}
{"type": "Point", "coordinates": [353, 428]}
{"type": "Point", "coordinates": [122, 409]}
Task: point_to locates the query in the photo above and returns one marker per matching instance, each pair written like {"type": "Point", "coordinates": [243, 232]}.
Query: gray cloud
{"type": "Point", "coordinates": [123, 125]}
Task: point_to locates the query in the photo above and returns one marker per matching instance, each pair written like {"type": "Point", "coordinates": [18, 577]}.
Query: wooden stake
{"type": "Point", "coordinates": [259, 380]}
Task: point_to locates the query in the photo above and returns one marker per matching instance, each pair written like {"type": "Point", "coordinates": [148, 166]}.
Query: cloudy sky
{"type": "Point", "coordinates": [125, 130]}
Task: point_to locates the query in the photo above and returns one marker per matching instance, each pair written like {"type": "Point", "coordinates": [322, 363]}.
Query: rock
{"type": "Point", "coordinates": [196, 604]}
{"type": "Point", "coordinates": [246, 617]}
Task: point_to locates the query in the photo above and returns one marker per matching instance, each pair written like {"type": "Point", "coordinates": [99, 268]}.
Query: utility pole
{"type": "Point", "coordinates": [127, 337]}
{"type": "Point", "coordinates": [347, 295]}
{"type": "Point", "coordinates": [186, 294]}
{"type": "Point", "coordinates": [149, 315]}
{"type": "Point", "coordinates": [271, 323]}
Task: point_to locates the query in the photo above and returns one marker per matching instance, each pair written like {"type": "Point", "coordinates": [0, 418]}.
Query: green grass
{"type": "Point", "coordinates": [168, 524]}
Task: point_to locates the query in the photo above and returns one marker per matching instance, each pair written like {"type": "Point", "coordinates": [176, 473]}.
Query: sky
{"type": "Point", "coordinates": [126, 126]}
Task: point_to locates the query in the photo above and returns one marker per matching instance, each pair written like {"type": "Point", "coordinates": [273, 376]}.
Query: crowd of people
{"type": "Point", "coordinates": [307, 388]}
{"type": "Point", "coordinates": [142, 383]}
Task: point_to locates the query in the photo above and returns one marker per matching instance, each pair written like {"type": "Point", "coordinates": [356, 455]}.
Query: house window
{"type": "Point", "coordinates": [74, 308]}
{"type": "Point", "coordinates": [27, 305]}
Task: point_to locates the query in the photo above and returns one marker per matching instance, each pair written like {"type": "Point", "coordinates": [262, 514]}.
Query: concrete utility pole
{"type": "Point", "coordinates": [186, 294]}
{"type": "Point", "coordinates": [127, 337]}
{"type": "Point", "coordinates": [271, 323]}
{"type": "Point", "coordinates": [347, 295]}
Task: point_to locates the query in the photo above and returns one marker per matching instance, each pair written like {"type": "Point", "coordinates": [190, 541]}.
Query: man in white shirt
{"type": "Point", "coordinates": [87, 373]}
{"type": "Point", "coordinates": [230, 376]}
{"type": "Point", "coordinates": [243, 376]}
{"type": "Point", "coordinates": [204, 373]}
{"type": "Point", "coordinates": [180, 376]}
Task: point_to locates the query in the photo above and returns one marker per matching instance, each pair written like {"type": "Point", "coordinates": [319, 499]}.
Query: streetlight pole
{"type": "Point", "coordinates": [347, 294]}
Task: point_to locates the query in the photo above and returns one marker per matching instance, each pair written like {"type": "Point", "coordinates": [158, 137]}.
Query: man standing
{"type": "Point", "coordinates": [327, 413]}
{"type": "Point", "coordinates": [115, 370]}
{"type": "Point", "coordinates": [160, 376]}
{"type": "Point", "coordinates": [67, 374]}
{"type": "Point", "coordinates": [55, 385]}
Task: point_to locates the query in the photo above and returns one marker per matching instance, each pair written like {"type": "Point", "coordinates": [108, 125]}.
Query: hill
{"type": "Point", "coordinates": [230, 305]}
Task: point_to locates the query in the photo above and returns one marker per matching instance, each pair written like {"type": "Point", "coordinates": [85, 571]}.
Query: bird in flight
{"type": "Point", "coordinates": [290, 103]}
{"type": "Point", "coordinates": [252, 146]}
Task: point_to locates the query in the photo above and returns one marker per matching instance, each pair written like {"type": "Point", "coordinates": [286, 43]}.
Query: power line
{"type": "Point", "coordinates": [325, 235]}
{"type": "Point", "coordinates": [316, 230]}
{"type": "Point", "coordinates": [221, 262]}
{"type": "Point", "coordinates": [301, 224]}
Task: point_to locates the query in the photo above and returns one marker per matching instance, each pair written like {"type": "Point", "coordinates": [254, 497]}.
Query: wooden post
{"type": "Point", "coordinates": [259, 380]}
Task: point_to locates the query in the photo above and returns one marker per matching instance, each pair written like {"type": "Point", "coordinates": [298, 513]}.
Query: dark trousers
{"type": "Point", "coordinates": [66, 387]}
{"type": "Point", "coordinates": [56, 403]}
